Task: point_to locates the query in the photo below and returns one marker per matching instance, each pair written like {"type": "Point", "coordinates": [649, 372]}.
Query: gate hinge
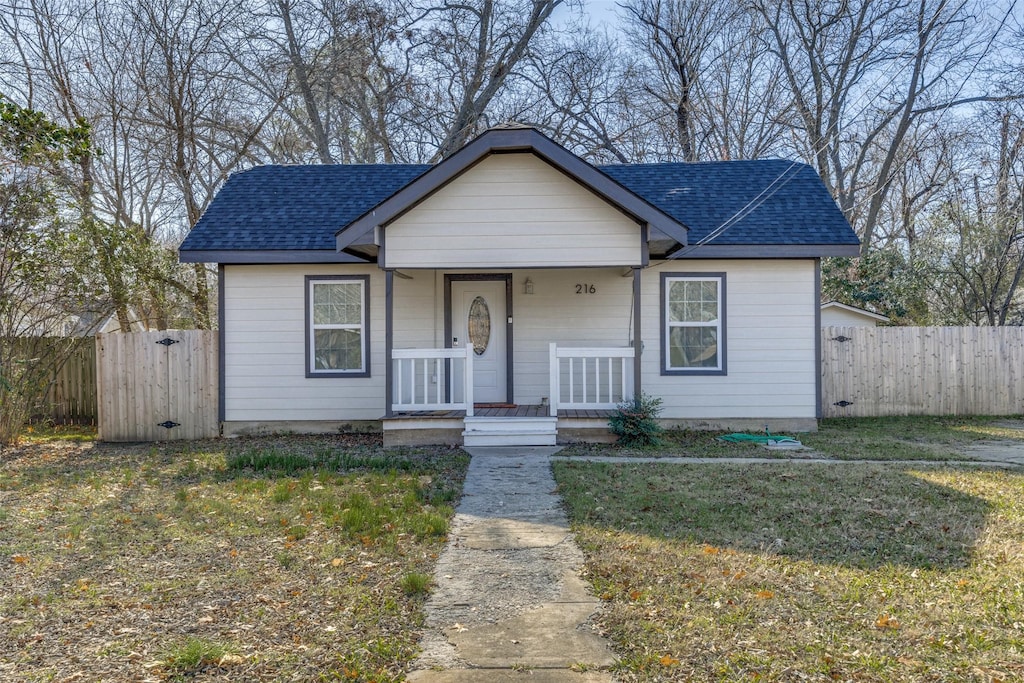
{"type": "Point", "coordinates": [167, 424]}
{"type": "Point", "coordinates": [843, 404]}
{"type": "Point", "coordinates": [167, 341]}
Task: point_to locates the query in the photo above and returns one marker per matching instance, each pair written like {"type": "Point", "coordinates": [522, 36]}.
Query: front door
{"type": "Point", "coordinates": [478, 314]}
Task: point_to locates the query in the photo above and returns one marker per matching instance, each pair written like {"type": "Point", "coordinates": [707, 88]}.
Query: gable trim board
{"type": "Point", "coordinates": [513, 205]}
{"type": "Point", "coordinates": [361, 233]}
{"type": "Point", "coordinates": [511, 211]}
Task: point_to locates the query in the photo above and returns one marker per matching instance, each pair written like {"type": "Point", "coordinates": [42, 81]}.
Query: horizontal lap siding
{"type": "Point", "coordinates": [264, 356]}
{"type": "Point", "coordinates": [770, 331]}
{"type": "Point", "coordinates": [556, 313]}
{"type": "Point", "coordinates": [512, 210]}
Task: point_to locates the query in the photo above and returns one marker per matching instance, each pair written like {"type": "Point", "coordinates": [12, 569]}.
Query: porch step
{"type": "Point", "coordinates": [510, 431]}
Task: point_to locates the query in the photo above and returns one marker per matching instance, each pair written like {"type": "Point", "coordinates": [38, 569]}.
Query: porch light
{"type": "Point", "coordinates": [528, 286]}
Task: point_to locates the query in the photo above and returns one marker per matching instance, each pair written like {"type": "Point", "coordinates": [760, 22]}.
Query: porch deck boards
{"type": "Point", "coordinates": [517, 411]}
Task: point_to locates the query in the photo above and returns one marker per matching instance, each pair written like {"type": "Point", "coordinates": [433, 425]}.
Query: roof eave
{"type": "Point", "coordinates": [766, 251]}
{"type": "Point", "coordinates": [267, 256]}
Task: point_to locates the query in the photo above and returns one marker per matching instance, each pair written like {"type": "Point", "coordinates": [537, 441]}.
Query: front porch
{"type": "Point", "coordinates": [520, 425]}
{"type": "Point", "coordinates": [432, 399]}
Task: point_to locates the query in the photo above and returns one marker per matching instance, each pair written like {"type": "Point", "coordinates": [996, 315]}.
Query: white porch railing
{"type": "Point", "coordinates": [590, 378]}
{"type": "Point", "coordinates": [432, 379]}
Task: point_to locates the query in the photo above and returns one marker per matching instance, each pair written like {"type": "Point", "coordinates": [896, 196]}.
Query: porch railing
{"type": "Point", "coordinates": [590, 378]}
{"type": "Point", "coordinates": [432, 379]}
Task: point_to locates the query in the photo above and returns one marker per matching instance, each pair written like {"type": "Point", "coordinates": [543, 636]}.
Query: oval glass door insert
{"type": "Point", "coordinates": [479, 325]}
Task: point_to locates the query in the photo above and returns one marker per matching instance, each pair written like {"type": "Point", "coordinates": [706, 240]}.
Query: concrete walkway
{"type": "Point", "coordinates": [508, 602]}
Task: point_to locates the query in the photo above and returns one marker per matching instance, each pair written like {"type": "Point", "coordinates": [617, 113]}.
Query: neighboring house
{"type": "Point", "coordinates": [50, 322]}
{"type": "Point", "coordinates": [349, 295]}
{"type": "Point", "coordinates": [834, 313]}
{"type": "Point", "coordinates": [91, 324]}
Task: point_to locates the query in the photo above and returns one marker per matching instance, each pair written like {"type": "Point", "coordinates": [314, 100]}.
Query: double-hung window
{"type": "Point", "coordinates": [693, 323]}
{"type": "Point", "coordinates": [337, 326]}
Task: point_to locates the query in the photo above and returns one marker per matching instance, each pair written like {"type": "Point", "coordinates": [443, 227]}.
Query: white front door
{"type": "Point", "coordinates": [479, 316]}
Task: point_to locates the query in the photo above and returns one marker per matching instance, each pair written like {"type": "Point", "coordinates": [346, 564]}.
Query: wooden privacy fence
{"type": "Point", "coordinates": [72, 395]}
{"type": "Point", "coordinates": [71, 373]}
{"type": "Point", "coordinates": [157, 386]}
{"type": "Point", "coordinates": [868, 371]}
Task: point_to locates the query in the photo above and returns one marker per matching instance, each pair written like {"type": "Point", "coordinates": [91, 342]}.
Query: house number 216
{"type": "Point", "coordinates": [586, 289]}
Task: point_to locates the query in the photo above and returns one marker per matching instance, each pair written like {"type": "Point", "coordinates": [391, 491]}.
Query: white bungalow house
{"type": "Point", "coordinates": [514, 293]}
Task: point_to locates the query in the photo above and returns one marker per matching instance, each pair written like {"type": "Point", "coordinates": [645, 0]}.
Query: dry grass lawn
{"type": "Point", "coordinates": [286, 559]}
{"type": "Point", "coordinates": [792, 572]}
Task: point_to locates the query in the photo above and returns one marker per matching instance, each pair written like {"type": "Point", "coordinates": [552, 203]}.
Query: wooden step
{"type": "Point", "coordinates": [510, 431]}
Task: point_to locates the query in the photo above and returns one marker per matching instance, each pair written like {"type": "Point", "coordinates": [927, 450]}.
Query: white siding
{"type": "Point", "coordinates": [512, 210]}
{"type": "Point", "coordinates": [770, 333]}
{"type": "Point", "coordinates": [556, 313]}
{"type": "Point", "coordinates": [770, 327]}
{"type": "Point", "coordinates": [264, 349]}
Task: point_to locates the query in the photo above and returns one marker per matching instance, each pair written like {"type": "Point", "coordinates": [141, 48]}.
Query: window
{"type": "Point", "coordinates": [693, 323]}
{"type": "Point", "coordinates": [337, 331]}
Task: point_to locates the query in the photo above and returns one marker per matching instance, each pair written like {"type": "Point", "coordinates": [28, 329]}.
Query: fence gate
{"type": "Point", "coordinates": [157, 386]}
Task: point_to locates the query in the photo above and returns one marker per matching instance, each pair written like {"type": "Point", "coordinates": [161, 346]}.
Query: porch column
{"type": "Point", "coordinates": [637, 337]}
{"type": "Point", "coordinates": [389, 342]}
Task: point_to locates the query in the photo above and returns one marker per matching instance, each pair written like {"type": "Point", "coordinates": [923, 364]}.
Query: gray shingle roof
{"type": "Point", "coordinates": [775, 202]}
{"type": "Point", "coordinates": [762, 202]}
{"type": "Point", "coordinates": [294, 207]}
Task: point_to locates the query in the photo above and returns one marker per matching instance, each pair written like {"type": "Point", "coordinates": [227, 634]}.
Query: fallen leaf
{"type": "Point", "coordinates": [19, 559]}
{"type": "Point", "coordinates": [711, 550]}
{"type": "Point", "coordinates": [668, 660]}
{"type": "Point", "coordinates": [885, 621]}
{"type": "Point", "coordinates": [765, 595]}
{"type": "Point", "coordinates": [635, 595]}
{"type": "Point", "coordinates": [337, 562]}
{"type": "Point", "coordinates": [459, 628]}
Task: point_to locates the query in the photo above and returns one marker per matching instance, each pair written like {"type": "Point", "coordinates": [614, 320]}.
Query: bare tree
{"type": "Point", "coordinates": [340, 71]}
{"type": "Point", "coordinates": [861, 73]}
{"type": "Point", "coordinates": [978, 234]}
{"type": "Point", "coordinates": [471, 50]}
{"type": "Point", "coordinates": [683, 45]}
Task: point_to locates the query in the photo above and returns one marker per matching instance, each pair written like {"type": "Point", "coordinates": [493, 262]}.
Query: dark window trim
{"type": "Point", "coordinates": [365, 279]}
{"type": "Point", "coordinates": [722, 337]}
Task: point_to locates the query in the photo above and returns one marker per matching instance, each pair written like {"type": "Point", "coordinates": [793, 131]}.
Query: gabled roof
{"type": "Point", "coordinates": [295, 214]}
{"type": "Point", "coordinates": [503, 140]}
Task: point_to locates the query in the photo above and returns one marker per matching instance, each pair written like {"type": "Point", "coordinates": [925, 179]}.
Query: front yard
{"type": "Point", "coordinates": [290, 558]}
{"type": "Point", "coordinates": [804, 571]}
{"type": "Point", "coordinates": [308, 558]}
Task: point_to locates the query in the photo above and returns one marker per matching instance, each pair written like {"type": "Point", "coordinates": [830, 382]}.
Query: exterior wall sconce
{"type": "Point", "coordinates": [528, 286]}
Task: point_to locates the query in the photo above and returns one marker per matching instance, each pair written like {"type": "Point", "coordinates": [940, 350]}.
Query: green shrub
{"type": "Point", "coordinates": [635, 423]}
